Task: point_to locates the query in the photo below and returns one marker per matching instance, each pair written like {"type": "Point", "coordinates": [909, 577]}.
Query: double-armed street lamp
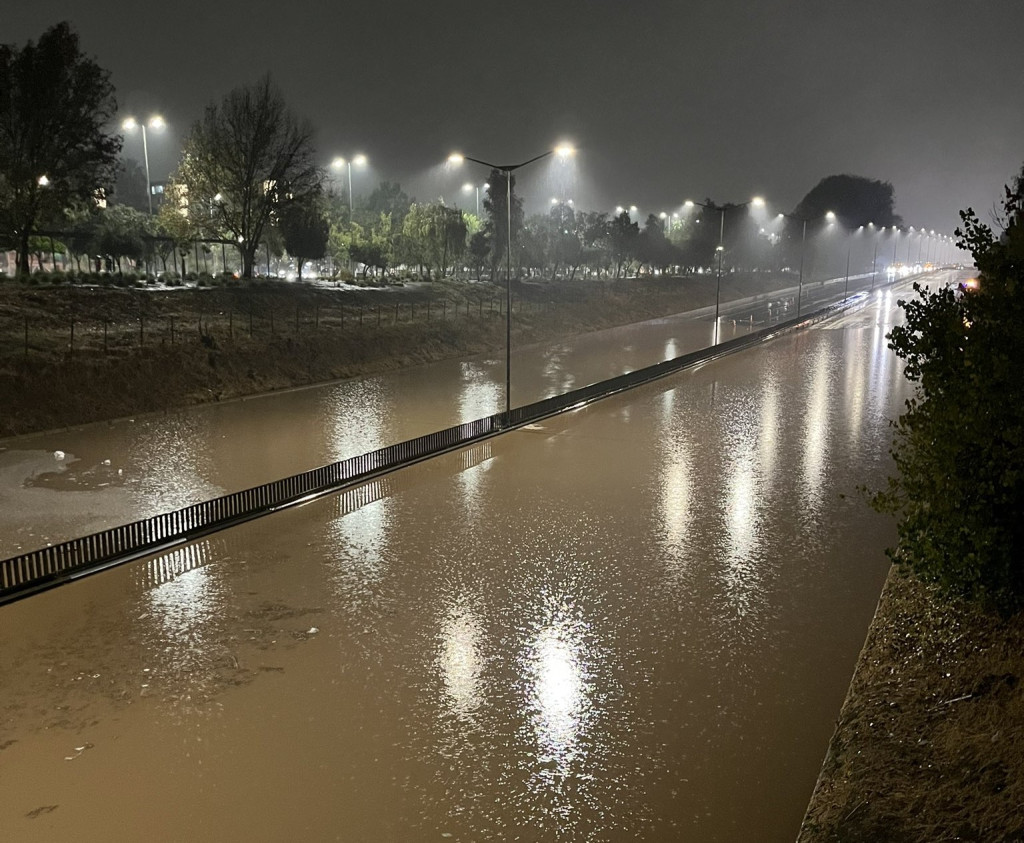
{"type": "Point", "coordinates": [757, 202]}
{"type": "Point", "coordinates": [156, 122]}
{"type": "Point", "coordinates": [563, 151]}
{"type": "Point", "coordinates": [340, 163]}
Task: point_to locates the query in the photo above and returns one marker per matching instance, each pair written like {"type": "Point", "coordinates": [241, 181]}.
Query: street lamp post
{"type": "Point", "coordinates": [474, 187]}
{"type": "Point", "coordinates": [154, 122]}
{"type": "Point", "coordinates": [846, 283]}
{"type": "Point", "coordinates": [710, 206]}
{"type": "Point", "coordinates": [506, 171]}
{"type": "Point", "coordinates": [874, 266]}
{"type": "Point", "coordinates": [338, 163]}
{"type": "Point", "coordinates": [830, 216]}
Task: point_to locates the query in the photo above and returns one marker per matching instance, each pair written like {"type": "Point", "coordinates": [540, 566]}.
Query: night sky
{"type": "Point", "coordinates": [665, 100]}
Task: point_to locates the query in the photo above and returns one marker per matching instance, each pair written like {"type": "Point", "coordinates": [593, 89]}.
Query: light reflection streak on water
{"type": "Point", "coordinates": [460, 658]}
{"type": "Point", "coordinates": [884, 364]}
{"type": "Point", "coordinates": [816, 433]}
{"type": "Point", "coordinates": [174, 471]}
{"type": "Point", "coordinates": [358, 418]}
{"type": "Point", "coordinates": [558, 695]}
{"type": "Point", "coordinates": [556, 373]}
{"type": "Point", "coordinates": [676, 488]}
{"type": "Point", "coordinates": [185, 611]}
{"type": "Point", "coordinates": [671, 350]}
{"type": "Point", "coordinates": [356, 548]}
{"type": "Point", "coordinates": [769, 436]}
{"type": "Point", "coordinates": [742, 529]}
{"type": "Point", "coordinates": [480, 395]}
{"type": "Point", "coordinates": [471, 485]}
{"type": "Point", "coordinates": [855, 388]}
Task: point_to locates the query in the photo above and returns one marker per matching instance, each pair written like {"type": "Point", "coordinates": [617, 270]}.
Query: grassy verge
{"type": "Point", "coordinates": [930, 742]}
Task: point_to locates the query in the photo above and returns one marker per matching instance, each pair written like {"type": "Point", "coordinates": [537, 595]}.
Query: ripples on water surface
{"type": "Point", "coordinates": [636, 622]}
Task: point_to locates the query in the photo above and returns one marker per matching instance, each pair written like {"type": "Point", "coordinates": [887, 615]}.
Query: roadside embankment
{"type": "Point", "coordinates": [73, 355]}
{"type": "Point", "coordinates": [930, 741]}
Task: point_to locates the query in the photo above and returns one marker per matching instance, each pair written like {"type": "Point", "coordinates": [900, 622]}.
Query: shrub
{"type": "Point", "coordinates": [959, 447]}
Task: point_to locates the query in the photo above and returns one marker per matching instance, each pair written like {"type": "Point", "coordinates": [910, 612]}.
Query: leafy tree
{"type": "Point", "coordinates": [855, 201]}
{"type": "Point", "coordinates": [479, 250]}
{"type": "Point", "coordinates": [433, 236]}
{"type": "Point", "coordinates": [130, 188]}
{"type": "Point", "coordinates": [54, 103]}
{"type": "Point", "coordinates": [122, 233]}
{"type": "Point", "coordinates": [535, 245]}
{"type": "Point", "coordinates": [177, 230]}
{"type": "Point", "coordinates": [375, 247]}
{"type": "Point", "coordinates": [498, 223]}
{"type": "Point", "coordinates": [654, 248]}
{"type": "Point", "coordinates": [959, 447]}
{"type": "Point", "coordinates": [594, 233]}
{"type": "Point", "coordinates": [241, 160]}
{"type": "Point", "coordinates": [566, 238]}
{"type": "Point", "coordinates": [387, 198]}
{"type": "Point", "coordinates": [623, 239]}
{"type": "Point", "coordinates": [305, 230]}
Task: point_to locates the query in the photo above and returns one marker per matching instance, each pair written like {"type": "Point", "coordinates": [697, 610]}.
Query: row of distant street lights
{"type": "Point", "coordinates": [563, 151]}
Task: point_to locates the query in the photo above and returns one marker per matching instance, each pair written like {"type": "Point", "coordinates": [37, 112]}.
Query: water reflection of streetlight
{"type": "Point", "coordinates": [757, 202]}
{"type": "Point", "coordinates": [461, 660]}
{"type": "Point", "coordinates": [156, 122]}
{"type": "Point", "coordinates": [339, 162]}
{"type": "Point", "coordinates": [560, 690]}
{"type": "Point", "coordinates": [564, 151]}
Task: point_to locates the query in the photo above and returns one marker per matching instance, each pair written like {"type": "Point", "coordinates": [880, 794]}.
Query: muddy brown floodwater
{"type": "Point", "coordinates": [634, 621]}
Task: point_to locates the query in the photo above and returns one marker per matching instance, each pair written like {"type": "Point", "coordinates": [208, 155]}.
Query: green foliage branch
{"type": "Point", "coordinates": [959, 446]}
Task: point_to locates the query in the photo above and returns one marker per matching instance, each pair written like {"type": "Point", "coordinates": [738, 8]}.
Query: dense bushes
{"type": "Point", "coordinates": [959, 447]}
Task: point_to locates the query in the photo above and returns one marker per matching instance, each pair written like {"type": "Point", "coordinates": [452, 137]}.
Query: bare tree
{"type": "Point", "coordinates": [240, 161]}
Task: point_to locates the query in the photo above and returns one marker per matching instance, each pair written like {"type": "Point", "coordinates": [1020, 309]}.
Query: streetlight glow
{"type": "Point", "coordinates": [130, 124]}
{"type": "Point", "coordinates": [338, 162]}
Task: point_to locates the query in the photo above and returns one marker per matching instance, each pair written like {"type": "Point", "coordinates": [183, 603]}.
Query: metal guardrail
{"type": "Point", "coordinates": [38, 570]}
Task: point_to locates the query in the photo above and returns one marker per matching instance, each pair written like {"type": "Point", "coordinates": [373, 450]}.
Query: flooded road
{"type": "Point", "coordinates": [636, 621]}
{"type": "Point", "coordinates": [57, 486]}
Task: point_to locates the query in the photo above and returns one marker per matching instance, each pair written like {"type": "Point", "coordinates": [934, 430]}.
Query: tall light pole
{"type": "Point", "coordinates": [155, 122]}
{"type": "Point", "coordinates": [467, 187]}
{"type": "Point", "coordinates": [874, 257]}
{"type": "Point", "coordinates": [757, 201]}
{"type": "Point", "coordinates": [828, 215]}
{"type": "Point", "coordinates": [338, 163]}
{"type": "Point", "coordinates": [506, 171]}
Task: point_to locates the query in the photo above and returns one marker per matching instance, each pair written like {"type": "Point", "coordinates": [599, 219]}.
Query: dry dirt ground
{"type": "Point", "coordinates": [930, 742]}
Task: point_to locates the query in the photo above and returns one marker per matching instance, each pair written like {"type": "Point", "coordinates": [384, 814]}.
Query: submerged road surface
{"type": "Point", "coordinates": [636, 621]}
{"type": "Point", "coordinates": [60, 485]}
